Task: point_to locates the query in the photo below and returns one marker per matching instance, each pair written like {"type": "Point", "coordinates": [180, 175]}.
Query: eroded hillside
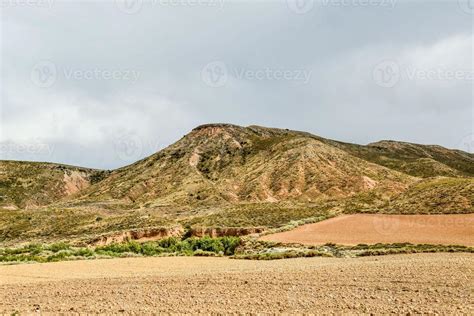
{"type": "Point", "coordinates": [226, 164]}
{"type": "Point", "coordinates": [33, 184]}
{"type": "Point", "coordinates": [232, 176]}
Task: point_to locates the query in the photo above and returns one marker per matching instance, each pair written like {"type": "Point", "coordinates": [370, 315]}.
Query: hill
{"type": "Point", "coordinates": [417, 160]}
{"type": "Point", "coordinates": [226, 164]}
{"type": "Point", "coordinates": [231, 176]}
{"type": "Point", "coordinates": [435, 196]}
{"type": "Point", "coordinates": [32, 184]}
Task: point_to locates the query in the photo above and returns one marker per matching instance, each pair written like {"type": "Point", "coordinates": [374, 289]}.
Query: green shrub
{"type": "Point", "coordinates": [202, 253]}
{"type": "Point", "coordinates": [224, 245]}
{"type": "Point", "coordinates": [134, 247]}
{"type": "Point", "coordinates": [150, 249]}
{"type": "Point", "coordinates": [58, 247]}
{"type": "Point", "coordinates": [34, 249]}
{"type": "Point", "coordinates": [207, 244]}
{"type": "Point", "coordinates": [230, 244]}
{"type": "Point", "coordinates": [168, 242]}
{"type": "Point", "coordinates": [59, 256]}
{"type": "Point", "coordinates": [114, 248]}
{"type": "Point", "coordinates": [83, 252]}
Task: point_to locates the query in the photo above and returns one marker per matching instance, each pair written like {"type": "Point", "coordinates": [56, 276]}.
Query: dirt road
{"type": "Point", "coordinates": [424, 283]}
{"type": "Point", "coordinates": [457, 229]}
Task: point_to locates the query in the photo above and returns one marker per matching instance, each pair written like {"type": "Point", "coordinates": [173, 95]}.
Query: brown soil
{"type": "Point", "coordinates": [157, 233]}
{"type": "Point", "coordinates": [356, 229]}
{"type": "Point", "coordinates": [420, 283]}
{"type": "Point", "coordinates": [75, 181]}
{"type": "Point", "coordinates": [142, 235]}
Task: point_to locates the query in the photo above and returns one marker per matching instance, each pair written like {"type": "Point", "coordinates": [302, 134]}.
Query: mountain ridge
{"type": "Point", "coordinates": [415, 156]}
{"type": "Point", "coordinates": [228, 175]}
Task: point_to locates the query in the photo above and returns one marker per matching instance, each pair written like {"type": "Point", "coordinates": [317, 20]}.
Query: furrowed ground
{"type": "Point", "coordinates": [417, 283]}
{"type": "Point", "coordinates": [454, 229]}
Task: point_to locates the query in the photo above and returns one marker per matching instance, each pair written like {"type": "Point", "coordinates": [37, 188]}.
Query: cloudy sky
{"type": "Point", "coordinates": [104, 83]}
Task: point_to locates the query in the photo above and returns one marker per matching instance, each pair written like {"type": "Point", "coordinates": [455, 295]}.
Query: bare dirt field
{"type": "Point", "coordinates": [457, 229]}
{"type": "Point", "coordinates": [418, 283]}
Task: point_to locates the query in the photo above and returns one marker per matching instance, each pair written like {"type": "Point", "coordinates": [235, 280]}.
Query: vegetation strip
{"type": "Point", "coordinates": [234, 247]}
{"type": "Point", "coordinates": [262, 250]}
{"type": "Point", "coordinates": [206, 246]}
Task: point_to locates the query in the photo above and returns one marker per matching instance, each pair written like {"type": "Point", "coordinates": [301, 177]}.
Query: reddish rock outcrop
{"type": "Point", "coordinates": [146, 234]}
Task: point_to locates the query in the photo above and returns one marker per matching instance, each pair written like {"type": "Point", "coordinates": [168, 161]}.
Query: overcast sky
{"type": "Point", "coordinates": [104, 83]}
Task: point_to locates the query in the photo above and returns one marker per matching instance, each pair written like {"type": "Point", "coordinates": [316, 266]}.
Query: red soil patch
{"type": "Point", "coordinates": [370, 229]}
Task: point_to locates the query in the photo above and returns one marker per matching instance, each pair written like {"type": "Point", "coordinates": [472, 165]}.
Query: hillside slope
{"type": "Point", "coordinates": [226, 164]}
{"type": "Point", "coordinates": [231, 176]}
{"type": "Point", "coordinates": [32, 184]}
{"type": "Point", "coordinates": [435, 196]}
{"type": "Point", "coordinates": [417, 160]}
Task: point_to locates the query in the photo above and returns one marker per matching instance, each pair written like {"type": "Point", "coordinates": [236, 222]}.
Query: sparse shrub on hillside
{"type": "Point", "coordinates": [59, 256]}
{"type": "Point", "coordinates": [58, 247]}
{"type": "Point", "coordinates": [98, 176]}
{"type": "Point", "coordinates": [202, 253]}
{"type": "Point", "coordinates": [84, 252]}
{"type": "Point", "coordinates": [271, 215]}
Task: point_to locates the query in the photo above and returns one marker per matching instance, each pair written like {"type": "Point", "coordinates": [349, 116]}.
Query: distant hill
{"type": "Point", "coordinates": [414, 159]}
{"type": "Point", "coordinates": [32, 184]}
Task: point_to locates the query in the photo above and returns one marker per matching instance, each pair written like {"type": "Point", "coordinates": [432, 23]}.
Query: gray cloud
{"type": "Point", "coordinates": [87, 83]}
